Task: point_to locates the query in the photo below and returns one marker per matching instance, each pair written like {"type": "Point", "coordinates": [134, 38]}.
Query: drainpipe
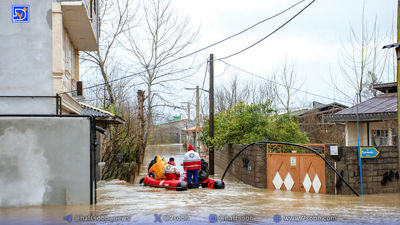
{"type": "Point", "coordinates": [93, 144]}
{"type": "Point", "coordinates": [398, 82]}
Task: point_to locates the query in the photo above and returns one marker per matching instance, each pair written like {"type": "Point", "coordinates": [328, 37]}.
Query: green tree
{"type": "Point", "coordinates": [254, 122]}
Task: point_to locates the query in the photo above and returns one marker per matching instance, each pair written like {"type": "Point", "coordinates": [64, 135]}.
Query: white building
{"type": "Point", "coordinates": [377, 118]}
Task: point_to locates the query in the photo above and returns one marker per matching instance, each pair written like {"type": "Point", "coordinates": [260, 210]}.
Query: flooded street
{"type": "Point", "coordinates": [239, 202]}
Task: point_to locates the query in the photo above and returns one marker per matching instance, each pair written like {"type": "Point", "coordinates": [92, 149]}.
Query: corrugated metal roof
{"type": "Point", "coordinates": [381, 104]}
{"type": "Point", "coordinates": [377, 108]}
{"type": "Point", "coordinates": [386, 87]}
{"type": "Point", "coordinates": [89, 110]}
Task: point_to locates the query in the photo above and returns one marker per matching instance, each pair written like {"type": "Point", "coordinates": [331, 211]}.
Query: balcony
{"type": "Point", "coordinates": [81, 22]}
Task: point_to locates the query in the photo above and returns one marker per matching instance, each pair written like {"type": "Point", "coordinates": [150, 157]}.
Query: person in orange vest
{"type": "Point", "coordinates": [158, 168]}
{"type": "Point", "coordinates": [170, 170]}
{"type": "Point", "coordinates": [192, 165]}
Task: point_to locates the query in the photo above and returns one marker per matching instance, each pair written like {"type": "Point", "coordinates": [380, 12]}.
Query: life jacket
{"type": "Point", "coordinates": [191, 161]}
{"type": "Point", "coordinates": [171, 172]}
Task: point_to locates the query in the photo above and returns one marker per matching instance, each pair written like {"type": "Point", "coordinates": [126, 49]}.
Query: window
{"type": "Point", "coordinates": [380, 137]}
{"type": "Point", "coordinates": [394, 136]}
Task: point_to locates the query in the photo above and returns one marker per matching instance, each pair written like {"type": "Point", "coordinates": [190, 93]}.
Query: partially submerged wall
{"type": "Point", "coordinates": [44, 161]}
{"type": "Point", "coordinates": [380, 174]}
{"type": "Point", "coordinates": [250, 167]}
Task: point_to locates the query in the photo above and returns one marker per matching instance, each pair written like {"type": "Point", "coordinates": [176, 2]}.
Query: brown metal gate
{"type": "Point", "coordinates": [303, 172]}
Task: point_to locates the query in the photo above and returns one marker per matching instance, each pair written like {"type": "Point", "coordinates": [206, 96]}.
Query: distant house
{"type": "Point", "coordinates": [171, 131]}
{"type": "Point", "coordinates": [377, 118]}
{"type": "Point", "coordinates": [318, 131]}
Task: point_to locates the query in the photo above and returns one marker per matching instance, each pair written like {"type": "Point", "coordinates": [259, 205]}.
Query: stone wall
{"type": "Point", "coordinates": [249, 167]}
{"type": "Point", "coordinates": [380, 174]}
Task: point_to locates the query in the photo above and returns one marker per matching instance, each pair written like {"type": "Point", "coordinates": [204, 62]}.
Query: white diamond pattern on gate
{"type": "Point", "coordinates": [307, 183]}
{"type": "Point", "coordinates": [289, 182]}
{"type": "Point", "coordinates": [277, 181]}
{"type": "Point", "coordinates": [316, 183]}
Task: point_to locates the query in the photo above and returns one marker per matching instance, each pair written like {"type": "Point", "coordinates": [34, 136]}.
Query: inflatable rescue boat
{"type": "Point", "coordinates": [181, 185]}
{"type": "Point", "coordinates": [168, 184]}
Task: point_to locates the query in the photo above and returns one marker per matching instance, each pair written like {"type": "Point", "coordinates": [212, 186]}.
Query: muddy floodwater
{"type": "Point", "coordinates": [122, 203]}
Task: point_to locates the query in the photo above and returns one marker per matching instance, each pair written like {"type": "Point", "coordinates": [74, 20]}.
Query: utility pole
{"type": "Point", "coordinates": [211, 119]}
{"type": "Point", "coordinates": [197, 145]}
{"type": "Point", "coordinates": [398, 82]}
{"type": "Point", "coordinates": [188, 108]}
{"type": "Point", "coordinates": [187, 122]}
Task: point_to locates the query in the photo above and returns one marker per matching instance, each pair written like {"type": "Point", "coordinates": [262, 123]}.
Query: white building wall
{"type": "Point", "coordinates": [26, 58]}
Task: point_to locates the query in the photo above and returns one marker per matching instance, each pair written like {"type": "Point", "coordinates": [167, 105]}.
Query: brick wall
{"type": "Point", "coordinates": [379, 174]}
{"type": "Point", "coordinates": [249, 167]}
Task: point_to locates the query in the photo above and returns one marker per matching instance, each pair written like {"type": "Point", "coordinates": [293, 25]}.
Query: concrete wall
{"type": "Point", "coordinates": [250, 167]}
{"type": "Point", "coordinates": [26, 58]}
{"type": "Point", "coordinates": [63, 144]}
{"type": "Point", "coordinates": [379, 174]}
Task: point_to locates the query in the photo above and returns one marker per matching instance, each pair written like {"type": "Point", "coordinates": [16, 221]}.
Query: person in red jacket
{"type": "Point", "coordinates": [192, 165]}
{"type": "Point", "coordinates": [170, 170]}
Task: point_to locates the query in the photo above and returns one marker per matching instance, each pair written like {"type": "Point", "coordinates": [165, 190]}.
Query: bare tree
{"type": "Point", "coordinates": [227, 97]}
{"type": "Point", "coordinates": [263, 93]}
{"type": "Point", "coordinates": [236, 91]}
{"type": "Point", "coordinates": [115, 18]}
{"type": "Point", "coordinates": [288, 87]}
{"type": "Point", "coordinates": [162, 37]}
{"type": "Point", "coordinates": [363, 63]}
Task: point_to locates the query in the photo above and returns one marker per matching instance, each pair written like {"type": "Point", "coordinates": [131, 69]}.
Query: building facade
{"type": "Point", "coordinates": [377, 119]}
{"type": "Point", "coordinates": [40, 55]}
{"type": "Point", "coordinates": [40, 42]}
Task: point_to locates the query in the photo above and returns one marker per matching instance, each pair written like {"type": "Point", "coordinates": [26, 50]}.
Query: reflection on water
{"type": "Point", "coordinates": [116, 198]}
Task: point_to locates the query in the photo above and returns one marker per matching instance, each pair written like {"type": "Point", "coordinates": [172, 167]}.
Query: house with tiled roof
{"type": "Point", "coordinates": [377, 118]}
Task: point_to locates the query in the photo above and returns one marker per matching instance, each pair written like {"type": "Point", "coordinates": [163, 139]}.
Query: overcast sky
{"type": "Point", "coordinates": [312, 42]}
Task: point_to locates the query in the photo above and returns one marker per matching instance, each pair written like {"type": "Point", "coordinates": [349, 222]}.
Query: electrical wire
{"type": "Point", "coordinates": [262, 39]}
{"type": "Point", "coordinates": [195, 52]}
{"type": "Point", "coordinates": [296, 89]}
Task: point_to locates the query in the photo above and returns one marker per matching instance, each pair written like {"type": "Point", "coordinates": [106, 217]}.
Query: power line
{"type": "Point", "coordinates": [297, 89]}
{"type": "Point", "coordinates": [262, 39]}
{"type": "Point", "coordinates": [197, 51]}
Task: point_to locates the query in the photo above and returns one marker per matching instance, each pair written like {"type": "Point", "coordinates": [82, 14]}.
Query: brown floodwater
{"type": "Point", "coordinates": [238, 203]}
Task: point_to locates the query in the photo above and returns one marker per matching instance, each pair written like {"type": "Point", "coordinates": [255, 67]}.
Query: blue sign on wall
{"type": "Point", "coordinates": [368, 152]}
{"type": "Point", "coordinates": [21, 13]}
